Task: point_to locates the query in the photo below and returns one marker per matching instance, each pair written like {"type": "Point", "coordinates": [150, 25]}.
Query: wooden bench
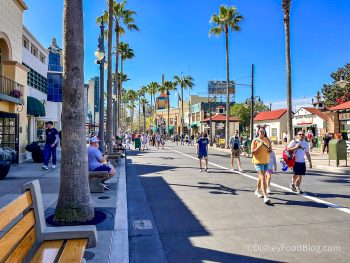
{"type": "Point", "coordinates": [95, 178]}
{"type": "Point", "coordinates": [26, 238]}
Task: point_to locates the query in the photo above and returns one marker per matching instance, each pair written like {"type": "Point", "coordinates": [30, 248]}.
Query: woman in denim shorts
{"type": "Point", "coordinates": [260, 148]}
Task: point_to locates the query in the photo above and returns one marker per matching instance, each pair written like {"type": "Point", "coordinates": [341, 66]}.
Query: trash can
{"type": "Point", "coordinates": [319, 140]}
{"type": "Point", "coordinates": [337, 151]}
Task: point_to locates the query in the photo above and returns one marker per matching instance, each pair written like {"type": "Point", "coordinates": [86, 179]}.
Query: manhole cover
{"type": "Point", "coordinates": [143, 224]}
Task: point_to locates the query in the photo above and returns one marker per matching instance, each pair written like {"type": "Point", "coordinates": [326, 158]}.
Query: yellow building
{"type": "Point", "coordinates": [13, 78]}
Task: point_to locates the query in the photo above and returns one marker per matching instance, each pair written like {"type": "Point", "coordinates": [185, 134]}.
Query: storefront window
{"type": "Point", "coordinates": [40, 130]}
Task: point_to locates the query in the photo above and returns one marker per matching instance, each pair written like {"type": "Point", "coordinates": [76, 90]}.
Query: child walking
{"type": "Point", "coordinates": [272, 167]}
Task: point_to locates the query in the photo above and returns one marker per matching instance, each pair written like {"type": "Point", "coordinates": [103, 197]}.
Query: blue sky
{"type": "Point", "coordinates": [173, 38]}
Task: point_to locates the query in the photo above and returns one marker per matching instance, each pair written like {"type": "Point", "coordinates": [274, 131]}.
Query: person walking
{"type": "Point", "coordinates": [300, 147]}
{"type": "Point", "coordinates": [127, 140]}
{"type": "Point", "coordinates": [144, 141]}
{"type": "Point", "coordinates": [176, 139]}
{"type": "Point", "coordinates": [182, 139]}
{"type": "Point", "coordinates": [202, 151]}
{"type": "Point", "coordinates": [162, 140]}
{"type": "Point", "coordinates": [158, 139]}
{"type": "Point", "coordinates": [235, 146]}
{"type": "Point", "coordinates": [272, 167]}
{"type": "Point", "coordinates": [192, 140]}
{"type": "Point", "coordinates": [51, 142]}
{"type": "Point", "coordinates": [326, 141]}
{"type": "Point", "coordinates": [260, 150]}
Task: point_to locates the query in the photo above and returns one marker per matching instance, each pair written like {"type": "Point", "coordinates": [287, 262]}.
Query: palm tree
{"type": "Point", "coordinates": [286, 10]}
{"type": "Point", "coordinates": [152, 90]}
{"type": "Point", "coordinates": [227, 20]}
{"type": "Point", "coordinates": [125, 53]}
{"type": "Point", "coordinates": [144, 103]}
{"type": "Point", "coordinates": [184, 82]}
{"type": "Point", "coordinates": [123, 18]}
{"type": "Point", "coordinates": [132, 96]}
{"type": "Point", "coordinates": [168, 87]}
{"type": "Point", "coordinates": [74, 201]}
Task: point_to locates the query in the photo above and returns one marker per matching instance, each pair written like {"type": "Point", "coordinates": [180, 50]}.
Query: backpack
{"type": "Point", "coordinates": [289, 157]}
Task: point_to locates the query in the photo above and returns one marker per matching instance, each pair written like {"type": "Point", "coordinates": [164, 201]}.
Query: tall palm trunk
{"type": "Point", "coordinates": [168, 115]}
{"type": "Point", "coordinates": [227, 131]}
{"type": "Point", "coordinates": [182, 110]}
{"type": "Point", "coordinates": [144, 117]}
{"type": "Point", "coordinates": [74, 200]}
{"type": "Point", "coordinates": [132, 118]}
{"type": "Point", "coordinates": [116, 82]}
{"type": "Point", "coordinates": [286, 8]}
{"type": "Point", "coordinates": [139, 128]}
{"type": "Point", "coordinates": [109, 128]}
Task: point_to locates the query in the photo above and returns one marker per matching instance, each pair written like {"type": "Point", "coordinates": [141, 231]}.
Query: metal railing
{"type": "Point", "coordinates": [11, 88]}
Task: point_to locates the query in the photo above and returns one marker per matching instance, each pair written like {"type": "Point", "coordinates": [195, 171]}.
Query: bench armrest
{"type": "Point", "coordinates": [72, 232]}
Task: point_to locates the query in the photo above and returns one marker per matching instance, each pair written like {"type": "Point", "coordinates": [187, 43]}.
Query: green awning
{"type": "Point", "coordinates": [35, 107]}
{"type": "Point", "coordinates": [154, 129]}
{"type": "Point", "coordinates": [194, 125]}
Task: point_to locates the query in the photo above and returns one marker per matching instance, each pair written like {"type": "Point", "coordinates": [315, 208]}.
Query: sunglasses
{"type": "Point", "coordinates": [262, 131]}
{"type": "Point", "coordinates": [301, 134]}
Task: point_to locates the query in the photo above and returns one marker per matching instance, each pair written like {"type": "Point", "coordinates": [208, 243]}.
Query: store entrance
{"type": "Point", "coordinates": [9, 131]}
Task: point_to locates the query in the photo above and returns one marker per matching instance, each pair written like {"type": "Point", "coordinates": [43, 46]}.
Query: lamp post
{"type": "Point", "coordinates": [342, 82]}
{"type": "Point", "coordinates": [251, 103]}
{"type": "Point", "coordinates": [100, 56]}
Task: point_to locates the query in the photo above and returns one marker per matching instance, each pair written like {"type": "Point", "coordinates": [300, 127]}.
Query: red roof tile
{"type": "Point", "coordinates": [342, 106]}
{"type": "Point", "coordinates": [270, 115]}
{"type": "Point", "coordinates": [316, 112]}
{"type": "Point", "coordinates": [220, 117]}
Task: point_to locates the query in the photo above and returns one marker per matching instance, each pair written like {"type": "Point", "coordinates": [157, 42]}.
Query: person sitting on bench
{"type": "Point", "coordinates": [98, 162]}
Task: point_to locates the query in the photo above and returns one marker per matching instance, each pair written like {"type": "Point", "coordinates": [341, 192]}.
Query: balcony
{"type": "Point", "coordinates": [11, 91]}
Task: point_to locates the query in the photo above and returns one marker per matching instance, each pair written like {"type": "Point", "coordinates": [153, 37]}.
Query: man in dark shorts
{"type": "Point", "coordinates": [235, 146]}
{"type": "Point", "coordinates": [98, 162]}
{"type": "Point", "coordinates": [202, 151]}
{"type": "Point", "coordinates": [300, 148]}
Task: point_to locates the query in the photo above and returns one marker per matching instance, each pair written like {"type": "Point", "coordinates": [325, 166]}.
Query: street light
{"type": "Point", "coordinates": [101, 60]}
{"type": "Point", "coordinates": [342, 82]}
{"type": "Point", "coordinates": [252, 98]}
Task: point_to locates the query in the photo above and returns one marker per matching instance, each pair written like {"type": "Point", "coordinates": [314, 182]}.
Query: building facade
{"type": "Point", "coordinates": [275, 123]}
{"type": "Point", "coordinates": [13, 79]}
{"type": "Point", "coordinates": [308, 118]}
{"type": "Point", "coordinates": [35, 58]}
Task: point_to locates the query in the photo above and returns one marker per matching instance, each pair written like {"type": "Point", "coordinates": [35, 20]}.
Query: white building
{"type": "Point", "coordinates": [275, 122]}
{"type": "Point", "coordinates": [39, 110]}
{"type": "Point", "coordinates": [308, 118]}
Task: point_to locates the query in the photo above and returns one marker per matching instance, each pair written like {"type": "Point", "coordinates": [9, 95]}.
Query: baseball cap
{"type": "Point", "coordinates": [49, 122]}
{"type": "Point", "coordinates": [94, 139]}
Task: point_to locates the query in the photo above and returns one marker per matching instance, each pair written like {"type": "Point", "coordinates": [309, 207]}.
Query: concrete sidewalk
{"type": "Point", "coordinates": [112, 243]}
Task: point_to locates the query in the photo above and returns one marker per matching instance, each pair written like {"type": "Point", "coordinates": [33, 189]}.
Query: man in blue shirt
{"type": "Point", "coordinates": [202, 151]}
{"type": "Point", "coordinates": [51, 142]}
{"type": "Point", "coordinates": [98, 162]}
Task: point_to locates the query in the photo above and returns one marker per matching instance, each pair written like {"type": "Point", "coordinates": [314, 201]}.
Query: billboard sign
{"type": "Point", "coordinates": [220, 87]}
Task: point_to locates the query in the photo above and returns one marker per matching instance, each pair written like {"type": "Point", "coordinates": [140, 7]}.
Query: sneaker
{"type": "Point", "coordinates": [232, 170]}
{"type": "Point", "coordinates": [53, 166]}
{"type": "Point", "coordinates": [292, 187]}
{"type": "Point", "coordinates": [201, 170]}
{"type": "Point", "coordinates": [298, 190]}
{"type": "Point", "coordinates": [266, 200]}
{"type": "Point", "coordinates": [44, 167]}
{"type": "Point", "coordinates": [207, 170]}
{"type": "Point", "coordinates": [105, 187]}
{"type": "Point", "coordinates": [257, 193]}
{"type": "Point", "coordinates": [268, 190]}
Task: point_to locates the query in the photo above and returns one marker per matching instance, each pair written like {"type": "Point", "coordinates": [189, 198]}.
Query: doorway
{"type": "Point", "coordinates": [9, 136]}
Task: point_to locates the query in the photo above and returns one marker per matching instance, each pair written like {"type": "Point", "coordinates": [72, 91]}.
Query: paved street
{"type": "Point", "coordinates": [215, 217]}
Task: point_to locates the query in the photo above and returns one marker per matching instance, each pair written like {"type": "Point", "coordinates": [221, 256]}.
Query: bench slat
{"type": "Point", "coordinates": [47, 252]}
{"type": "Point", "coordinates": [73, 251]}
{"type": "Point", "coordinates": [14, 209]}
{"type": "Point", "coordinates": [23, 248]}
{"type": "Point", "coordinates": [15, 234]}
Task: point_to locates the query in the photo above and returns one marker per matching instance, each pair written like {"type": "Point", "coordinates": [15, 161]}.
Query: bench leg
{"type": "Point", "coordinates": [95, 185]}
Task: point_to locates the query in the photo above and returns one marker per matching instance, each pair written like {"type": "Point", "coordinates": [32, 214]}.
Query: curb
{"type": "Point", "coordinates": [119, 246]}
{"type": "Point", "coordinates": [333, 169]}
